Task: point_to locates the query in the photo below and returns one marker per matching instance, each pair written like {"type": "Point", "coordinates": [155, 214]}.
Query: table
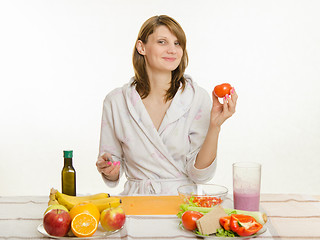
{"type": "Point", "coordinates": [291, 216]}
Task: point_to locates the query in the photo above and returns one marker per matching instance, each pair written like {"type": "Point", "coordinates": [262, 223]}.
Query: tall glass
{"type": "Point", "coordinates": [246, 185]}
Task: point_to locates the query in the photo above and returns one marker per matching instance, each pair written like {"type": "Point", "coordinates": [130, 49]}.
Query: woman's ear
{"type": "Point", "coordinates": [140, 47]}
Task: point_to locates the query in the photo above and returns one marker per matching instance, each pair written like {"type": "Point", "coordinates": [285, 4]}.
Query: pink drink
{"type": "Point", "coordinates": [246, 201]}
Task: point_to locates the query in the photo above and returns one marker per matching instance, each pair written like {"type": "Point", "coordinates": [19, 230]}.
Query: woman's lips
{"type": "Point", "coordinates": [169, 59]}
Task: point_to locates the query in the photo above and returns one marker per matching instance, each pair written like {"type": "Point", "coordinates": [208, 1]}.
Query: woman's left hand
{"type": "Point", "coordinates": [221, 112]}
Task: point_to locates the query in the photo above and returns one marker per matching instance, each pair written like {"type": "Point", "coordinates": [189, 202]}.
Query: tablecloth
{"type": "Point", "coordinates": [291, 216]}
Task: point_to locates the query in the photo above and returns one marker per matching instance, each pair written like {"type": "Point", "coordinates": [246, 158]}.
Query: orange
{"type": "Point", "coordinates": [85, 207]}
{"type": "Point", "coordinates": [84, 225]}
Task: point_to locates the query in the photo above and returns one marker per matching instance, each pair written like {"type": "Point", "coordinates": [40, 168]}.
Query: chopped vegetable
{"type": "Point", "coordinates": [205, 201]}
{"type": "Point", "coordinates": [259, 216]}
{"type": "Point", "coordinates": [252, 225]}
{"type": "Point", "coordinates": [244, 225]}
{"type": "Point", "coordinates": [225, 222]}
{"type": "Point", "coordinates": [199, 233]}
{"type": "Point", "coordinates": [225, 233]}
{"type": "Point", "coordinates": [187, 207]}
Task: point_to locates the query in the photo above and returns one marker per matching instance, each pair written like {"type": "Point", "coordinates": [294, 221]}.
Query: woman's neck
{"type": "Point", "coordinates": [159, 84]}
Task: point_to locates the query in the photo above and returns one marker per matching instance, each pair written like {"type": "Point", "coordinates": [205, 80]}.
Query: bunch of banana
{"type": "Point", "coordinates": [101, 200]}
{"type": "Point", "coordinates": [52, 197]}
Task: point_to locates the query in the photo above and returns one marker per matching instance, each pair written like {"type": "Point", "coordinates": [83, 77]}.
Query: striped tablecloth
{"type": "Point", "coordinates": [290, 217]}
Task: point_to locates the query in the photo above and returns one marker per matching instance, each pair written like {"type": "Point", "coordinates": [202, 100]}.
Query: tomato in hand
{"type": "Point", "coordinates": [189, 219]}
{"type": "Point", "coordinates": [222, 90]}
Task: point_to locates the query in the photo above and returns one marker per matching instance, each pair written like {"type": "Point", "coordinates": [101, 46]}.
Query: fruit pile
{"type": "Point", "coordinates": [80, 216]}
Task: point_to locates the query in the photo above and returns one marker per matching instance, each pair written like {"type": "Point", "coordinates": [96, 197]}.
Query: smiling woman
{"type": "Point", "coordinates": [161, 127]}
{"type": "Point", "coordinates": [162, 51]}
{"type": "Point", "coordinates": [156, 32]}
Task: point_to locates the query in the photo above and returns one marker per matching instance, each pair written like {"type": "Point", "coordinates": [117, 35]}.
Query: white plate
{"type": "Point", "coordinates": [213, 236]}
{"type": "Point", "coordinates": [98, 234]}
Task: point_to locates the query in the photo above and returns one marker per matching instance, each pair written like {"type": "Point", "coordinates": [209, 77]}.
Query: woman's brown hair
{"type": "Point", "coordinates": [141, 80]}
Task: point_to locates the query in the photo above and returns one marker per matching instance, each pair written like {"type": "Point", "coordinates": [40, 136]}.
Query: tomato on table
{"type": "Point", "coordinates": [189, 219]}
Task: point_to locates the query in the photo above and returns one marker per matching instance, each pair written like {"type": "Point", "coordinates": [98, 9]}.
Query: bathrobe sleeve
{"type": "Point", "coordinates": [108, 139]}
{"type": "Point", "coordinates": [197, 133]}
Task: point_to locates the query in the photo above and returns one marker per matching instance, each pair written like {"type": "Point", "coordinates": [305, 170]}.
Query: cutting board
{"type": "Point", "coordinates": [151, 205]}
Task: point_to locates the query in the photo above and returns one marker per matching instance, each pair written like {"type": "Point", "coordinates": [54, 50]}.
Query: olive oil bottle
{"type": "Point", "coordinates": [68, 175]}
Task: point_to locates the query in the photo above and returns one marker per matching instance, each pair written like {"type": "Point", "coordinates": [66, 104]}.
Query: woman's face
{"type": "Point", "coordinates": [162, 51]}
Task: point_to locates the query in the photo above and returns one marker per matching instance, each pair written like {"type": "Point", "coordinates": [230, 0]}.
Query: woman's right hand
{"type": "Point", "coordinates": [110, 170]}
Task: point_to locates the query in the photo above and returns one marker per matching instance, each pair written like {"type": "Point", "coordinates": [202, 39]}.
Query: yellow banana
{"type": "Point", "coordinates": [103, 203]}
{"type": "Point", "coordinates": [70, 201]}
{"type": "Point", "coordinates": [52, 202]}
{"type": "Point", "coordinates": [82, 198]}
{"type": "Point", "coordinates": [52, 197]}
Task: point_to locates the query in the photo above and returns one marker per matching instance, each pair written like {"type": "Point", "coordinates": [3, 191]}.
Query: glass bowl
{"type": "Point", "coordinates": [203, 195]}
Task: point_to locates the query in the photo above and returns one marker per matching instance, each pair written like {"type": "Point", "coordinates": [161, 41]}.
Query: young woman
{"type": "Point", "coordinates": [161, 129]}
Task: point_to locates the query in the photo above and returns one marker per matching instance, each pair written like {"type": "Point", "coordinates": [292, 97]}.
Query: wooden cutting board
{"type": "Point", "coordinates": [151, 205]}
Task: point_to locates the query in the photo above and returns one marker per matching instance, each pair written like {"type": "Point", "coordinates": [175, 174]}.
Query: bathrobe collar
{"type": "Point", "coordinates": [179, 106]}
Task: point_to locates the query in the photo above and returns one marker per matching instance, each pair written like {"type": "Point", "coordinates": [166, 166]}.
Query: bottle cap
{"type": "Point", "coordinates": [67, 154]}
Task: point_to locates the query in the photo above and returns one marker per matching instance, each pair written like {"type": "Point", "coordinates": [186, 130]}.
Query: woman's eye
{"type": "Point", "coordinates": [162, 41]}
{"type": "Point", "coordinates": [177, 43]}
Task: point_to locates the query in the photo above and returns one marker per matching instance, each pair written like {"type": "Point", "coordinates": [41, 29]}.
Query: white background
{"type": "Point", "coordinates": [58, 60]}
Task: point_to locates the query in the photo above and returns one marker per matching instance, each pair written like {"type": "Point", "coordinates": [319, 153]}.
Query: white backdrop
{"type": "Point", "coordinates": [58, 60]}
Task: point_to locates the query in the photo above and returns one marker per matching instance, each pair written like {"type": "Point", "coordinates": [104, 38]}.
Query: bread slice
{"type": "Point", "coordinates": [209, 223]}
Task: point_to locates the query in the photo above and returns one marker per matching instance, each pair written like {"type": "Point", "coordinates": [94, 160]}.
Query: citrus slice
{"type": "Point", "coordinates": [84, 225]}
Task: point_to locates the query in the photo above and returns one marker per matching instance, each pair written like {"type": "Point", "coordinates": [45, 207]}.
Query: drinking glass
{"type": "Point", "coordinates": [246, 185]}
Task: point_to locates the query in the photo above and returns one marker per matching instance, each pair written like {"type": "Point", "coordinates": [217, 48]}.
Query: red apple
{"type": "Point", "coordinates": [57, 222]}
{"type": "Point", "coordinates": [55, 206]}
{"type": "Point", "coordinates": [112, 219]}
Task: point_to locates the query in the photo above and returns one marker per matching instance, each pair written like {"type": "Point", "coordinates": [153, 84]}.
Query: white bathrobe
{"type": "Point", "coordinates": [156, 161]}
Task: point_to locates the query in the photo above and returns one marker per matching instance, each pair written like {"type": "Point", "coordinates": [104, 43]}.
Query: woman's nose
{"type": "Point", "coordinates": [172, 48]}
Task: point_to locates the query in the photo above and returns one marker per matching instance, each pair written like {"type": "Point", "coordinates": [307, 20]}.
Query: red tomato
{"type": "Point", "coordinates": [222, 90]}
{"type": "Point", "coordinates": [189, 219]}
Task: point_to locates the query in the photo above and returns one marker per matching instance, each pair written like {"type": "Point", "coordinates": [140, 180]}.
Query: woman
{"type": "Point", "coordinates": [161, 129]}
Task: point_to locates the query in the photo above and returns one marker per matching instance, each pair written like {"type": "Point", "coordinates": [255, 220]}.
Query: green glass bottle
{"type": "Point", "coordinates": [68, 175]}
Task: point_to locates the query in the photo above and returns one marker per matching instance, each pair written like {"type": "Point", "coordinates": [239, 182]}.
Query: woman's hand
{"type": "Point", "coordinates": [110, 170]}
{"type": "Point", "coordinates": [221, 112]}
